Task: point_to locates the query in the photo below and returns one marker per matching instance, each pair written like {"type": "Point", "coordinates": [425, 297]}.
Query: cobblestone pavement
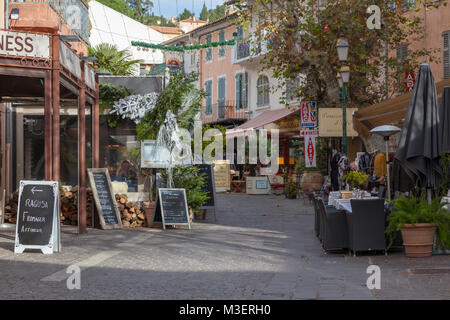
{"type": "Point", "coordinates": [259, 247]}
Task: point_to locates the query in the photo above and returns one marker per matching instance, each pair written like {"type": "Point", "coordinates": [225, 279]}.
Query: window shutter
{"type": "Point", "coordinates": [446, 53]}
{"type": "Point", "coordinates": [244, 89]}
{"type": "Point", "coordinates": [238, 90]}
{"type": "Point", "coordinates": [221, 95]}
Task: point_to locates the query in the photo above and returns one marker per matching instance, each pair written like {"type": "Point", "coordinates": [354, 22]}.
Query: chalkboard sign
{"type": "Point", "coordinates": [171, 206]}
{"type": "Point", "coordinates": [105, 201]}
{"type": "Point", "coordinates": [38, 217]}
{"type": "Point", "coordinates": [209, 186]}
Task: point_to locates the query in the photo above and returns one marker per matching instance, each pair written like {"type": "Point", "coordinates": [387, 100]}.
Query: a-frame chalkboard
{"type": "Point", "coordinates": [38, 221]}
{"type": "Point", "coordinates": [171, 207]}
{"type": "Point", "coordinates": [209, 186]}
{"type": "Point", "coordinates": [104, 198]}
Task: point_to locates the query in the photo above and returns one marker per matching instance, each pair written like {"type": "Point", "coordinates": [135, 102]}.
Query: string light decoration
{"type": "Point", "coordinates": [183, 48]}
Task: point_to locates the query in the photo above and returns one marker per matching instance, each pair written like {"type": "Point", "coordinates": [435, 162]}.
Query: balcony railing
{"type": "Point", "coordinates": [74, 13]}
{"type": "Point", "coordinates": [226, 110]}
{"type": "Point", "coordinates": [246, 49]}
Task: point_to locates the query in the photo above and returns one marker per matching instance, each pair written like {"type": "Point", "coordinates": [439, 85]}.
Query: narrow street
{"type": "Point", "coordinates": [258, 247]}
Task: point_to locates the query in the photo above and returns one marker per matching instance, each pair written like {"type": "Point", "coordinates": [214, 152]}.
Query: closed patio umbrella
{"type": "Point", "coordinates": [419, 147]}
{"type": "Point", "coordinates": [444, 120]}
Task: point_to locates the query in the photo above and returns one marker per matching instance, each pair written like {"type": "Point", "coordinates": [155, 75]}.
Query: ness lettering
{"type": "Point", "coordinates": [16, 43]}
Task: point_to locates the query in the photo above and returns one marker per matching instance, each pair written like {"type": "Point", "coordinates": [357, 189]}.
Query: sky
{"type": "Point", "coordinates": [169, 7]}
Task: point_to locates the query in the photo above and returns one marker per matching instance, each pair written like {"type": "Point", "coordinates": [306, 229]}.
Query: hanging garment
{"type": "Point", "coordinates": [364, 163]}
{"type": "Point", "coordinates": [380, 165]}
{"type": "Point", "coordinates": [334, 173]}
{"type": "Point", "coordinates": [343, 165]}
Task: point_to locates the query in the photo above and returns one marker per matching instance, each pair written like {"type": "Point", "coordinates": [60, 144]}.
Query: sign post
{"type": "Point", "coordinates": [38, 225]}
{"type": "Point", "coordinates": [308, 114]}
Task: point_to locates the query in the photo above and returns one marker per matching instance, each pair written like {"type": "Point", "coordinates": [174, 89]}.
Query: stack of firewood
{"type": "Point", "coordinates": [132, 214]}
{"type": "Point", "coordinates": [69, 205]}
{"type": "Point", "coordinates": [11, 208]}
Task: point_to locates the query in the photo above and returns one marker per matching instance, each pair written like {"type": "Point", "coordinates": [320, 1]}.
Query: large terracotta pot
{"type": "Point", "coordinates": [418, 239]}
{"type": "Point", "coordinates": [149, 208]}
{"type": "Point", "coordinates": [311, 180]}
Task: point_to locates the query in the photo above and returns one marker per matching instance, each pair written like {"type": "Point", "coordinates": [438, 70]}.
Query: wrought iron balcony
{"type": "Point", "coordinates": [74, 13]}
{"type": "Point", "coordinates": [226, 110]}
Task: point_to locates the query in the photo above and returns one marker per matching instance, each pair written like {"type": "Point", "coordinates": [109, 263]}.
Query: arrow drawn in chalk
{"type": "Point", "coordinates": [33, 190]}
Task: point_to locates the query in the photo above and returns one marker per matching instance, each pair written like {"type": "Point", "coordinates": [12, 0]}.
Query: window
{"type": "Point", "coordinates": [239, 33]}
{"type": "Point", "coordinates": [263, 91]}
{"type": "Point", "coordinates": [446, 53]}
{"type": "Point", "coordinates": [208, 89]}
{"type": "Point", "coordinates": [292, 86]}
{"type": "Point", "coordinates": [209, 50]}
{"type": "Point", "coordinates": [222, 39]}
{"type": "Point", "coordinates": [241, 90]}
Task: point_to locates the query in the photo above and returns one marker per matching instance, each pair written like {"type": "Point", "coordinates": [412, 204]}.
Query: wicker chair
{"type": "Point", "coordinates": [333, 227]}
{"type": "Point", "coordinates": [366, 225]}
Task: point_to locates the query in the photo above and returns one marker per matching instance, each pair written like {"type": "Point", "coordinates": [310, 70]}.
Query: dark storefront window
{"type": "Point", "coordinates": [119, 152]}
{"type": "Point", "coordinates": [69, 149]}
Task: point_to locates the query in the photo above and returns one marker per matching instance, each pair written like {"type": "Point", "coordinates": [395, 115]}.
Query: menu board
{"type": "Point", "coordinates": [222, 175]}
{"type": "Point", "coordinates": [171, 206]}
{"type": "Point", "coordinates": [38, 217]}
{"type": "Point", "coordinates": [209, 185]}
{"type": "Point", "coordinates": [105, 202]}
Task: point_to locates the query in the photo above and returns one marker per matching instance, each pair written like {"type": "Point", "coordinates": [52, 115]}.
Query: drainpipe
{"type": "Point", "coordinates": [6, 14]}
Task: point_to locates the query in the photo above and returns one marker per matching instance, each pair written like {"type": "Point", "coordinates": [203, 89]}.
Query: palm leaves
{"type": "Point", "coordinates": [117, 62]}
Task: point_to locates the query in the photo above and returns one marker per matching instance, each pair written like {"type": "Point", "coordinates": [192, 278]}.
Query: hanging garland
{"type": "Point", "coordinates": [183, 48]}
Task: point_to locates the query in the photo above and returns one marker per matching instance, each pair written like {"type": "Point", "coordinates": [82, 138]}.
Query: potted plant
{"type": "Point", "coordinates": [188, 178]}
{"type": "Point", "coordinates": [291, 190]}
{"type": "Point", "coordinates": [356, 179]}
{"type": "Point", "coordinates": [418, 220]}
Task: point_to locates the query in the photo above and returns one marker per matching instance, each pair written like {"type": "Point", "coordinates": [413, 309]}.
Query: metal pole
{"type": "Point", "coordinates": [344, 120]}
{"type": "Point", "coordinates": [386, 139]}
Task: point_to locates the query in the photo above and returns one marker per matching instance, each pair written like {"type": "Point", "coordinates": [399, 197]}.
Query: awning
{"type": "Point", "coordinates": [387, 112]}
{"type": "Point", "coordinates": [264, 118]}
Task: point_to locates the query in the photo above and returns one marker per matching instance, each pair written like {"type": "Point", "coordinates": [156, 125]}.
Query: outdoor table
{"type": "Point", "coordinates": [344, 204]}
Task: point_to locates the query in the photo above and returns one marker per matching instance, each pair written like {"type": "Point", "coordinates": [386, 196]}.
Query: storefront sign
{"type": "Point", "coordinates": [330, 122]}
{"type": "Point", "coordinates": [24, 44]}
{"type": "Point", "coordinates": [222, 175]}
{"type": "Point", "coordinates": [154, 156]}
{"type": "Point", "coordinates": [308, 114]}
{"type": "Point", "coordinates": [174, 66]}
{"type": "Point", "coordinates": [171, 207]}
{"type": "Point", "coordinates": [310, 151]}
{"type": "Point", "coordinates": [38, 217]}
{"type": "Point", "coordinates": [208, 185]}
{"type": "Point", "coordinates": [410, 80]}
{"type": "Point", "coordinates": [104, 198]}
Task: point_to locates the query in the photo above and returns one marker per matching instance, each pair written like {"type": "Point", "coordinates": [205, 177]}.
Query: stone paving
{"type": "Point", "coordinates": [258, 247]}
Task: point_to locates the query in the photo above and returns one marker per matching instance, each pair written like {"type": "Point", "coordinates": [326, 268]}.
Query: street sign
{"type": "Point", "coordinates": [104, 198]}
{"type": "Point", "coordinates": [171, 207]}
{"type": "Point", "coordinates": [38, 217]}
{"type": "Point", "coordinates": [308, 114]}
{"type": "Point", "coordinates": [410, 80]}
{"type": "Point", "coordinates": [310, 151]}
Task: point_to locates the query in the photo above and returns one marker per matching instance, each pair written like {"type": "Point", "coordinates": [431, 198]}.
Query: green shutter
{"type": "Point", "coordinates": [221, 95]}
{"type": "Point", "coordinates": [244, 89]}
{"type": "Point", "coordinates": [238, 90]}
{"type": "Point", "coordinates": [208, 89]}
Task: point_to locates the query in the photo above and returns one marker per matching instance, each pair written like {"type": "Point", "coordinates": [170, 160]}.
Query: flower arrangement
{"type": "Point", "coordinates": [355, 179]}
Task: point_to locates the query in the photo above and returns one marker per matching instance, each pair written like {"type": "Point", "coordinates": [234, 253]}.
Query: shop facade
{"type": "Point", "coordinates": [50, 113]}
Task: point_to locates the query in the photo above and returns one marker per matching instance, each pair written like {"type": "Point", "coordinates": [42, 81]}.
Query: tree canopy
{"type": "Point", "coordinates": [186, 14]}
{"type": "Point", "coordinates": [118, 5]}
{"type": "Point", "coordinates": [302, 41]}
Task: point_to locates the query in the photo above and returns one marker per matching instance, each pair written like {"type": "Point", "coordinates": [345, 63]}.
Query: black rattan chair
{"type": "Point", "coordinates": [366, 225]}
{"type": "Point", "coordinates": [333, 227]}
